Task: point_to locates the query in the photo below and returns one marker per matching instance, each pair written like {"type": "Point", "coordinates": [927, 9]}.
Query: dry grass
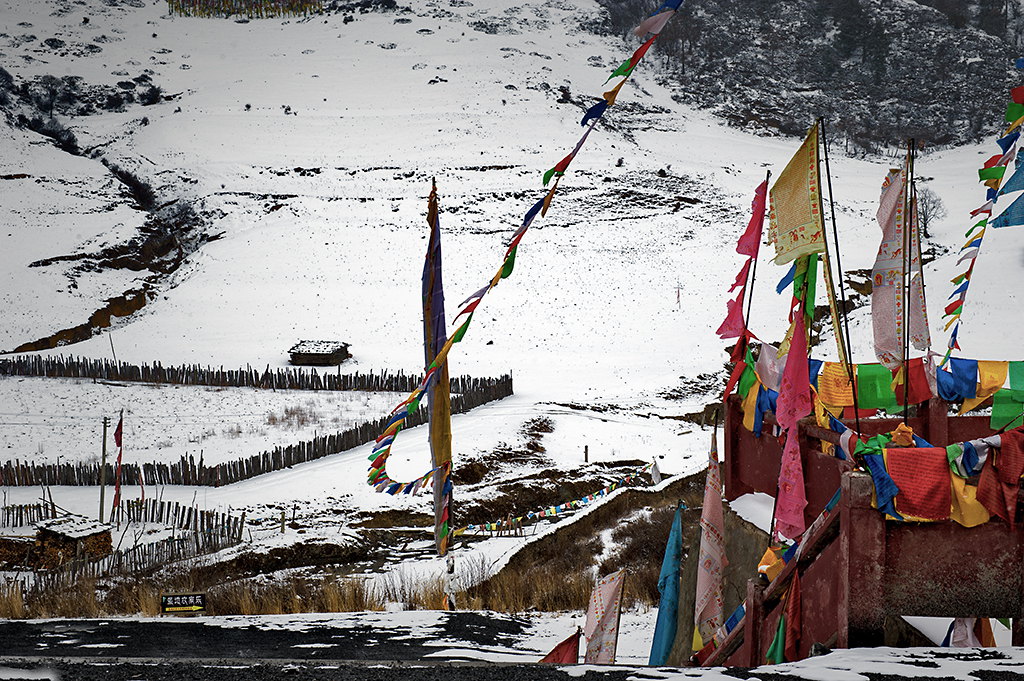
{"type": "Point", "coordinates": [510, 591]}
{"type": "Point", "coordinates": [12, 603]}
{"type": "Point", "coordinates": [294, 595]}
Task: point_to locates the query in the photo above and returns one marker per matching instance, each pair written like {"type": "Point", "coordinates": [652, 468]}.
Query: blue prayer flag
{"type": "Point", "coordinates": [668, 585]}
{"type": "Point", "coordinates": [1006, 142]}
{"type": "Point", "coordinates": [965, 374]}
{"type": "Point", "coordinates": [885, 489]}
{"type": "Point", "coordinates": [595, 111]}
{"type": "Point", "coordinates": [1020, 62]}
{"type": "Point", "coordinates": [788, 279]}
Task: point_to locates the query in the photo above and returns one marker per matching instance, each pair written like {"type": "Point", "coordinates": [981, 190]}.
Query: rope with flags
{"type": "Point", "coordinates": [992, 174]}
{"type": "Point", "coordinates": [377, 475]}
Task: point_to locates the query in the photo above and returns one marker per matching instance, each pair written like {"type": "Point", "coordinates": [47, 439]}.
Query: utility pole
{"type": "Point", "coordinates": [103, 466]}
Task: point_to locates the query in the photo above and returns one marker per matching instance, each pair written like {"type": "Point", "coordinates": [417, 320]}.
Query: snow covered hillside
{"type": "Point", "coordinates": [308, 147]}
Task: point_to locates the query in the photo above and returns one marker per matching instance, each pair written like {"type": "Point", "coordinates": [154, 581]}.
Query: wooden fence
{"type": "Point", "coordinates": [23, 515]}
{"type": "Point", "coordinates": [253, 9]}
{"type": "Point", "coordinates": [206, 532]}
{"type": "Point", "coordinates": [186, 471]}
{"type": "Point", "coordinates": [285, 378]}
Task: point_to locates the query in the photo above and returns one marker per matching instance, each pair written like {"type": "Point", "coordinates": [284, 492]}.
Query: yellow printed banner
{"type": "Point", "coordinates": [795, 218]}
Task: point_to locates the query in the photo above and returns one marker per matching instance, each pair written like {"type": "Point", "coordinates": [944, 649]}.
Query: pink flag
{"type": "Point", "coordinates": [741, 276]}
{"type": "Point", "coordinates": [789, 506]}
{"type": "Point", "coordinates": [750, 242]}
{"type": "Point", "coordinates": [711, 561]}
{"type": "Point", "coordinates": [794, 400]}
{"type": "Point", "coordinates": [734, 324]}
{"type": "Point", "coordinates": [653, 24]}
{"type": "Point", "coordinates": [602, 625]}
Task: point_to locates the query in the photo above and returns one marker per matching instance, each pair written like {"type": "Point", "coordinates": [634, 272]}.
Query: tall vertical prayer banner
{"type": "Point", "coordinates": [795, 225]}
{"type": "Point", "coordinates": [434, 339]}
{"type": "Point", "coordinates": [118, 435]}
{"type": "Point", "coordinates": [711, 560]}
{"type": "Point", "coordinates": [602, 625]}
{"type": "Point", "coordinates": [887, 294]}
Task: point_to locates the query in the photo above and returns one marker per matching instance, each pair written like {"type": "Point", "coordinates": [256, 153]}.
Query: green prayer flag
{"type": "Point", "coordinates": [748, 378]}
{"type": "Point", "coordinates": [1014, 111]}
{"type": "Point", "coordinates": [1007, 408]}
{"type": "Point", "coordinates": [993, 173]}
{"type": "Point", "coordinates": [413, 406]}
{"type": "Point", "coordinates": [874, 387]}
{"type": "Point", "coordinates": [777, 650]}
{"type": "Point", "coordinates": [510, 263]}
{"type": "Point", "coordinates": [548, 175]}
{"type": "Point", "coordinates": [958, 279]}
{"type": "Point", "coordinates": [461, 331]}
{"type": "Point", "coordinates": [1017, 375]}
{"type": "Point", "coordinates": [975, 226]}
{"type": "Point", "coordinates": [623, 70]}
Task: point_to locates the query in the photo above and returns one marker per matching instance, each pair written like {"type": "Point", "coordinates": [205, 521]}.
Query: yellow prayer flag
{"type": "Point", "coordinates": [750, 406]}
{"type": "Point", "coordinates": [991, 377]}
{"type": "Point", "coordinates": [613, 93]}
{"type": "Point", "coordinates": [795, 219]}
{"type": "Point", "coordinates": [966, 508]}
{"type": "Point", "coordinates": [834, 385]}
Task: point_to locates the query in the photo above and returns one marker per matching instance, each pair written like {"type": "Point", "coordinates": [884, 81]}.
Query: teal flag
{"type": "Point", "coordinates": [668, 585]}
{"type": "Point", "coordinates": [1015, 183]}
{"type": "Point", "coordinates": [1012, 216]}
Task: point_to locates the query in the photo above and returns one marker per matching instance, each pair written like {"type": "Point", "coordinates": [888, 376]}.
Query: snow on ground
{"type": "Point", "coordinates": [47, 420]}
{"type": "Point", "coordinates": [312, 143]}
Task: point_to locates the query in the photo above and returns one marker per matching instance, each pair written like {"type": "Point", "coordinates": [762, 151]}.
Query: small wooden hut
{"type": "Point", "coordinates": [318, 353]}
{"type": "Point", "coordinates": [70, 537]}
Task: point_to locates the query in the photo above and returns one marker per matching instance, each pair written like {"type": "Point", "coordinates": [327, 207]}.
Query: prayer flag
{"type": "Point", "coordinates": [653, 24]}
{"type": "Point", "coordinates": [1012, 216]}
{"type": "Point", "coordinates": [1014, 112]}
{"type": "Point", "coordinates": [991, 377]}
{"type": "Point", "coordinates": [711, 561]}
{"type": "Point", "coordinates": [602, 623]}
{"type": "Point", "coordinates": [595, 111]}
{"type": "Point", "coordinates": [566, 652]}
{"type": "Point", "coordinates": [734, 324]}
{"type": "Point", "coordinates": [795, 225]}
{"type": "Point", "coordinates": [776, 651]}
{"type": "Point", "coordinates": [117, 469]}
{"type": "Point", "coordinates": [668, 586]}
{"type": "Point", "coordinates": [794, 389]}
{"type": "Point", "coordinates": [750, 242]}
{"type": "Point", "coordinates": [792, 498]}
{"type": "Point", "coordinates": [794, 619]}
{"type": "Point", "coordinates": [993, 173]}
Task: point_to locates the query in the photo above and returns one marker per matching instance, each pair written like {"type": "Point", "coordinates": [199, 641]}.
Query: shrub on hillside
{"type": "Point", "coordinates": [141, 190]}
{"type": "Point", "coordinates": [151, 95]}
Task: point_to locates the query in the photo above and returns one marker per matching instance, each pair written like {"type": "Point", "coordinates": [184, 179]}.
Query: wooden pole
{"type": "Point", "coordinates": [103, 467]}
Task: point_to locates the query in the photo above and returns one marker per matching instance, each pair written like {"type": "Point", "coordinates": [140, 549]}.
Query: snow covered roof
{"type": "Point", "coordinates": [318, 347]}
{"type": "Point", "coordinates": [72, 526]}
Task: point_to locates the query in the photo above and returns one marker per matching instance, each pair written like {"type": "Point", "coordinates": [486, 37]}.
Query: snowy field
{"type": "Point", "coordinates": [49, 419]}
{"type": "Point", "coordinates": [310, 146]}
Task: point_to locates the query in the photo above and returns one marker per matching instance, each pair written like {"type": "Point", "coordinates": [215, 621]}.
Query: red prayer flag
{"type": "Point", "coordinates": [794, 619]}
{"type": "Point", "coordinates": [566, 652]}
{"type": "Point", "coordinates": [118, 431]}
{"type": "Point", "coordinates": [918, 390]}
{"type": "Point", "coordinates": [993, 160]}
{"type": "Point", "coordinates": [1017, 94]}
{"type": "Point", "coordinates": [922, 475]}
{"type": "Point", "coordinates": [750, 242]}
{"type": "Point", "coordinates": [641, 51]}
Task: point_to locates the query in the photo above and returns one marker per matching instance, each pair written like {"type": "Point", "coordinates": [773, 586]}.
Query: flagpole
{"type": "Point", "coordinates": [908, 226]}
{"type": "Point", "coordinates": [844, 321]}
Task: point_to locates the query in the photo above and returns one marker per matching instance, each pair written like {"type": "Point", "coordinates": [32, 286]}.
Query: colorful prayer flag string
{"type": "Point", "coordinates": [992, 175]}
{"type": "Point", "coordinates": [558, 509]}
{"type": "Point", "coordinates": [377, 475]}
